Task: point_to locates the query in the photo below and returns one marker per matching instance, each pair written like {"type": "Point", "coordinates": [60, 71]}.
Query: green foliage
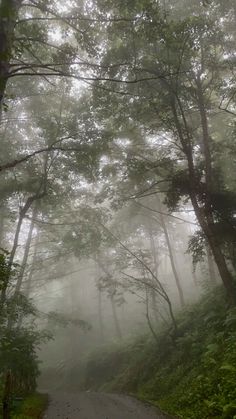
{"type": "Point", "coordinates": [18, 344]}
{"type": "Point", "coordinates": [193, 377]}
{"type": "Point", "coordinates": [31, 407]}
{"type": "Point", "coordinates": [18, 355]}
{"type": "Point", "coordinates": [6, 271]}
{"type": "Point", "coordinates": [197, 247]}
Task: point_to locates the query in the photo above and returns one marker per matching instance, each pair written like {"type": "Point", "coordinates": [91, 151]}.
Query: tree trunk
{"type": "Point", "coordinates": [8, 15]}
{"type": "Point", "coordinates": [149, 319]}
{"type": "Point", "coordinates": [113, 304]}
{"type": "Point", "coordinates": [115, 317]}
{"type": "Point", "coordinates": [154, 253]}
{"type": "Point", "coordinates": [26, 253]}
{"type": "Point", "coordinates": [11, 258]}
{"type": "Point", "coordinates": [203, 214]}
{"type": "Point", "coordinates": [22, 213]}
{"type": "Point", "coordinates": [100, 317]}
{"type": "Point", "coordinates": [211, 267]}
{"type": "Point", "coordinates": [209, 228]}
{"type": "Point", "coordinates": [2, 226]}
{"type": "Point", "coordinates": [171, 255]}
{"type": "Point", "coordinates": [153, 249]}
{"type": "Point", "coordinates": [31, 272]}
{"type": "Point", "coordinates": [6, 396]}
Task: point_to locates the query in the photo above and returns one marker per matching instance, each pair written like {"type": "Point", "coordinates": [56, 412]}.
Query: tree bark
{"type": "Point", "coordinates": [31, 272]}
{"type": "Point", "coordinates": [26, 253]}
{"type": "Point", "coordinates": [22, 213]}
{"type": "Point", "coordinates": [8, 15]}
{"type": "Point", "coordinates": [154, 253]}
{"type": "Point", "coordinates": [11, 257]}
{"type": "Point", "coordinates": [203, 214]}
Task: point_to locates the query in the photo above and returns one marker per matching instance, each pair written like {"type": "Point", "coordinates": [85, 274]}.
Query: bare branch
{"type": "Point", "coordinates": [23, 159]}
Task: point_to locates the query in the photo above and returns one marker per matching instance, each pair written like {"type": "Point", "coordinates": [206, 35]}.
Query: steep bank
{"type": "Point", "coordinates": [193, 376]}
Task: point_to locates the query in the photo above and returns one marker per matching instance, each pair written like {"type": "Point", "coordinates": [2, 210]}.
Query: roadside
{"type": "Point", "coordinates": [32, 407]}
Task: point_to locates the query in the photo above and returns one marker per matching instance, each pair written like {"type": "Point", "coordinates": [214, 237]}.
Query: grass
{"type": "Point", "coordinates": [32, 407]}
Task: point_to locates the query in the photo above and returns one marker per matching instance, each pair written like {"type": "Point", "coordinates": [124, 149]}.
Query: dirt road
{"type": "Point", "coordinates": [91, 405]}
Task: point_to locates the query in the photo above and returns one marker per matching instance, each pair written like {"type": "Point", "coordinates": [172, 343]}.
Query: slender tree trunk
{"type": "Point", "coordinates": [211, 267]}
{"type": "Point", "coordinates": [113, 304]}
{"type": "Point", "coordinates": [100, 316]}
{"type": "Point", "coordinates": [154, 253]}
{"type": "Point", "coordinates": [2, 219]}
{"type": "Point", "coordinates": [26, 253]}
{"type": "Point", "coordinates": [149, 319]}
{"type": "Point", "coordinates": [153, 249]}
{"type": "Point", "coordinates": [22, 213]}
{"type": "Point", "coordinates": [171, 255]}
{"type": "Point", "coordinates": [23, 266]}
{"type": "Point", "coordinates": [115, 317]}
{"type": "Point", "coordinates": [11, 257]}
{"type": "Point", "coordinates": [28, 282]}
{"type": "Point", "coordinates": [6, 414]}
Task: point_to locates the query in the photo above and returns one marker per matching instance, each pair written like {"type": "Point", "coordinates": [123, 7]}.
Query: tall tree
{"type": "Point", "coordinates": [183, 61]}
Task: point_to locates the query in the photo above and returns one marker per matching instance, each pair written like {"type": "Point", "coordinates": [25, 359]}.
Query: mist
{"type": "Point", "coordinates": [117, 209]}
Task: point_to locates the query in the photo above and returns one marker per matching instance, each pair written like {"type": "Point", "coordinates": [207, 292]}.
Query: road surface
{"type": "Point", "coordinates": [91, 405]}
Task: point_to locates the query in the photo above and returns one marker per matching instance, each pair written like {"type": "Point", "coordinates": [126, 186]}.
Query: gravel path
{"type": "Point", "coordinates": [91, 405]}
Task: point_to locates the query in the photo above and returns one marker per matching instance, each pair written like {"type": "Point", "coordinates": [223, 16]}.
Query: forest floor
{"type": "Point", "coordinates": [93, 405]}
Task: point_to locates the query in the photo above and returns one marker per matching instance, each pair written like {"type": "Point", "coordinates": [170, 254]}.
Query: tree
{"type": "Point", "coordinates": [177, 101]}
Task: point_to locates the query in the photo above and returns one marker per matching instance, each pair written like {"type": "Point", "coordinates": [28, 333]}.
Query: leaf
{"type": "Point", "coordinates": [228, 367]}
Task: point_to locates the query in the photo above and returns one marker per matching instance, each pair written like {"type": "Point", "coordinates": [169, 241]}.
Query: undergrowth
{"type": "Point", "coordinates": [32, 407]}
{"type": "Point", "coordinates": [193, 377]}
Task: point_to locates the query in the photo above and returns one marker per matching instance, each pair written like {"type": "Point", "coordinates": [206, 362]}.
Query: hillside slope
{"type": "Point", "coordinates": [193, 376]}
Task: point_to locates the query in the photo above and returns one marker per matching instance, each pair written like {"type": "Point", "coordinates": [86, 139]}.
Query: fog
{"type": "Point", "coordinates": [117, 195]}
